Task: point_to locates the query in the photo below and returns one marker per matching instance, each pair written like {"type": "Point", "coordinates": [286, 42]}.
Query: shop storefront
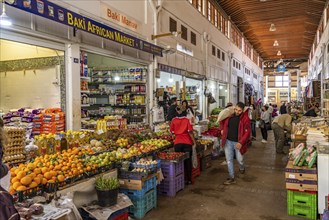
{"type": "Point", "coordinates": [112, 81]}
{"type": "Point", "coordinates": [176, 83]}
{"type": "Point", "coordinates": [112, 87]}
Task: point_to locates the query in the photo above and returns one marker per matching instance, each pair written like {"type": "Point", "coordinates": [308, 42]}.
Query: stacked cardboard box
{"type": "Point", "coordinates": [302, 187]}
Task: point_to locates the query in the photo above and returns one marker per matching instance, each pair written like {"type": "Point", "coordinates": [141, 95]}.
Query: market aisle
{"type": "Point", "coordinates": [258, 194]}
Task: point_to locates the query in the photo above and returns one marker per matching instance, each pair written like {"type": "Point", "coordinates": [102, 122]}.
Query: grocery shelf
{"type": "Point", "coordinates": [85, 105]}
{"type": "Point", "coordinates": [120, 93]}
{"type": "Point", "coordinates": [85, 91]}
{"type": "Point", "coordinates": [120, 105]}
{"type": "Point", "coordinates": [118, 82]}
{"type": "Point", "coordinates": [85, 78]}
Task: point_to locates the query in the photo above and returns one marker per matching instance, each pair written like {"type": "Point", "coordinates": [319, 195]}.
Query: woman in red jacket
{"type": "Point", "coordinates": [184, 138]}
{"type": "Point", "coordinates": [235, 134]}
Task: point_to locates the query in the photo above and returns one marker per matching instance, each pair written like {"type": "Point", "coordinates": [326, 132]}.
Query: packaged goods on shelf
{"type": "Point", "coordinates": [14, 148]}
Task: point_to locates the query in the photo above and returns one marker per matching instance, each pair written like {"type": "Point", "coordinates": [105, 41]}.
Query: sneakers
{"type": "Point", "coordinates": [264, 141]}
{"type": "Point", "coordinates": [229, 181]}
{"type": "Point", "coordinates": [242, 171]}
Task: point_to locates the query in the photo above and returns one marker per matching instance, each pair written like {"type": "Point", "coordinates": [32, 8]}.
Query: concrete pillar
{"type": "Point", "coordinates": [73, 96]}
{"type": "Point", "coordinates": [289, 87]}
{"type": "Point", "coordinates": [299, 90]}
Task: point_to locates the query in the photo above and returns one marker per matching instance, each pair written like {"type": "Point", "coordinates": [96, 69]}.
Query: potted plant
{"type": "Point", "coordinates": [107, 189]}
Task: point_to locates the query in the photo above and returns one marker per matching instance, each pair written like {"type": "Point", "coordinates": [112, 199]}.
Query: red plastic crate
{"type": "Point", "coordinates": [196, 171]}
{"type": "Point", "coordinates": [123, 216]}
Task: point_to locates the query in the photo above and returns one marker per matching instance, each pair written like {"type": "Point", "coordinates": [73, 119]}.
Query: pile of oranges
{"type": "Point", "coordinates": [50, 169]}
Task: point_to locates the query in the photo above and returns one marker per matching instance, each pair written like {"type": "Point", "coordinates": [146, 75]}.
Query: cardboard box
{"type": "Point", "coordinates": [301, 173]}
{"type": "Point", "coordinates": [134, 184]}
{"type": "Point", "coordinates": [305, 185]}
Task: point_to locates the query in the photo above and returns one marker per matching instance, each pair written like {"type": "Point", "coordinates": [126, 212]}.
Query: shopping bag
{"type": "Point", "coordinates": [194, 158]}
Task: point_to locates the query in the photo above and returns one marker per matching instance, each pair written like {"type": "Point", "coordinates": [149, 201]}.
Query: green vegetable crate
{"type": "Point", "coordinates": [302, 204]}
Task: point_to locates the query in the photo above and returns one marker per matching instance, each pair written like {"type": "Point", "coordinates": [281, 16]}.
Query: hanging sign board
{"type": "Point", "coordinates": [61, 15]}
{"type": "Point", "coordinates": [281, 68]}
{"type": "Point", "coordinates": [119, 17]}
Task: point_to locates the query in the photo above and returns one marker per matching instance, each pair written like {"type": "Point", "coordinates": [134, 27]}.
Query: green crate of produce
{"type": "Point", "coordinates": [302, 198]}
{"type": "Point", "coordinates": [302, 204]}
{"type": "Point", "coordinates": [303, 211]}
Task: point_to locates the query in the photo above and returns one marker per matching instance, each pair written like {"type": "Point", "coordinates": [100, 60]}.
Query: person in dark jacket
{"type": "Point", "coordinates": [311, 112]}
{"type": "Point", "coordinates": [283, 108]}
{"type": "Point", "coordinates": [7, 208]}
{"type": "Point", "coordinates": [235, 133]}
{"type": "Point", "coordinates": [172, 109]}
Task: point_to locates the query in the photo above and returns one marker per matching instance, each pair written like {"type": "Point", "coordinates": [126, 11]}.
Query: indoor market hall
{"type": "Point", "coordinates": [164, 110]}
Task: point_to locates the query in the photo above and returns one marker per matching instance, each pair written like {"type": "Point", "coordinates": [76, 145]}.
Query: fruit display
{"type": "Point", "coordinates": [205, 141]}
{"type": "Point", "coordinates": [156, 142]}
{"type": "Point", "coordinates": [144, 164]}
{"type": "Point", "coordinates": [49, 169]}
{"type": "Point", "coordinates": [122, 142]}
{"type": "Point", "coordinates": [170, 155]}
{"type": "Point", "coordinates": [165, 135]}
{"type": "Point", "coordinates": [103, 159]}
{"type": "Point", "coordinates": [14, 148]}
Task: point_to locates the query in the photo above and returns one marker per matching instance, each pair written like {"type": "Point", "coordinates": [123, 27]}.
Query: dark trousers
{"type": "Point", "coordinates": [279, 137]}
{"type": "Point", "coordinates": [253, 129]}
{"type": "Point", "coordinates": [264, 132]}
{"type": "Point", "coordinates": [188, 162]}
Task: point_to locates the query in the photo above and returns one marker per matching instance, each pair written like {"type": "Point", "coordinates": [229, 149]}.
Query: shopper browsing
{"type": "Point", "coordinates": [265, 117]}
{"type": "Point", "coordinates": [283, 108]}
{"type": "Point", "coordinates": [235, 133]}
{"type": "Point", "coordinates": [172, 109]}
{"type": "Point", "coordinates": [189, 112]}
{"type": "Point", "coordinates": [281, 123]}
{"type": "Point", "coordinates": [184, 139]}
{"type": "Point", "coordinates": [253, 117]}
{"type": "Point", "coordinates": [7, 208]}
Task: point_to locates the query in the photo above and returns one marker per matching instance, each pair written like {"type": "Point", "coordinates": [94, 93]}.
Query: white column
{"type": "Point", "coordinates": [73, 96]}
{"type": "Point", "coordinates": [289, 87]}
{"type": "Point", "coordinates": [299, 92]}
{"type": "Point", "coordinates": [150, 90]}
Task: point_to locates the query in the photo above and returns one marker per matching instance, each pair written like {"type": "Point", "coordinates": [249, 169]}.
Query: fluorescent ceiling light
{"type": "Point", "coordinates": [272, 27]}
{"type": "Point", "coordinates": [117, 78]}
{"type": "Point", "coordinates": [276, 43]}
{"type": "Point", "coordinates": [4, 19]}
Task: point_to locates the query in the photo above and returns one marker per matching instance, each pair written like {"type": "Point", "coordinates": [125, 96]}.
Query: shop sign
{"type": "Point", "coordinates": [59, 14]}
{"type": "Point", "coordinates": [281, 68]}
{"type": "Point", "coordinates": [169, 69]}
{"type": "Point", "coordinates": [118, 17]}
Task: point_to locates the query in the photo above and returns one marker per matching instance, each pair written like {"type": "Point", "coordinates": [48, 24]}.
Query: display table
{"type": "Point", "coordinates": [323, 178]}
{"type": "Point", "coordinates": [84, 192]}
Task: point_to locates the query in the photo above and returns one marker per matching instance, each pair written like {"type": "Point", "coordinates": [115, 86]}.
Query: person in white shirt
{"type": "Point", "coordinates": [265, 117]}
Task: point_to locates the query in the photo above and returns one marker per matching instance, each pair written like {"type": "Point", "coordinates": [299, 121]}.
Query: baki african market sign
{"type": "Point", "coordinates": [59, 14]}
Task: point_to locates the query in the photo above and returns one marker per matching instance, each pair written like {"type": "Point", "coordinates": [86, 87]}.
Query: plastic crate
{"type": "Point", "coordinates": [136, 175]}
{"type": "Point", "coordinates": [139, 194]}
{"type": "Point", "coordinates": [302, 204]}
{"type": "Point", "coordinates": [120, 215]}
{"type": "Point", "coordinates": [170, 186]}
{"type": "Point", "coordinates": [206, 162]}
{"type": "Point", "coordinates": [303, 211]}
{"type": "Point", "coordinates": [172, 169]}
{"type": "Point", "coordinates": [196, 171]}
{"type": "Point", "coordinates": [142, 206]}
{"type": "Point", "coordinates": [302, 198]}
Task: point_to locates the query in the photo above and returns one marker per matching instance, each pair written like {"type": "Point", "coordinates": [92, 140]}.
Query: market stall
{"type": "Point", "coordinates": [306, 180]}
{"type": "Point", "coordinates": [69, 164]}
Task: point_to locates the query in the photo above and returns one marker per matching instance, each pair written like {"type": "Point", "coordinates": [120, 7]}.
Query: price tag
{"type": "Point", "coordinates": [82, 136]}
{"type": "Point", "coordinates": [57, 137]}
{"type": "Point", "coordinates": [292, 176]}
{"type": "Point", "coordinates": [100, 132]}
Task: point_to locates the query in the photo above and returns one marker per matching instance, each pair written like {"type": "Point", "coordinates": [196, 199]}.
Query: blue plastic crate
{"type": "Point", "coordinates": [138, 194]}
{"type": "Point", "coordinates": [172, 169]}
{"type": "Point", "coordinates": [170, 186]}
{"type": "Point", "coordinates": [144, 205]}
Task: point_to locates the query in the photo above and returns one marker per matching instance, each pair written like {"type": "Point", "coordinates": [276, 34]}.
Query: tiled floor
{"type": "Point", "coordinates": [258, 194]}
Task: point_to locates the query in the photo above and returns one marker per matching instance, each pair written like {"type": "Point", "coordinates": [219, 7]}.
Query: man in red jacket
{"type": "Point", "coordinates": [235, 132]}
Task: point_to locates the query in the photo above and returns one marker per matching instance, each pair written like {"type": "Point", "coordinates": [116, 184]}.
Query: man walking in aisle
{"type": "Point", "coordinates": [235, 132]}
{"type": "Point", "coordinates": [281, 123]}
{"type": "Point", "coordinates": [172, 109]}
